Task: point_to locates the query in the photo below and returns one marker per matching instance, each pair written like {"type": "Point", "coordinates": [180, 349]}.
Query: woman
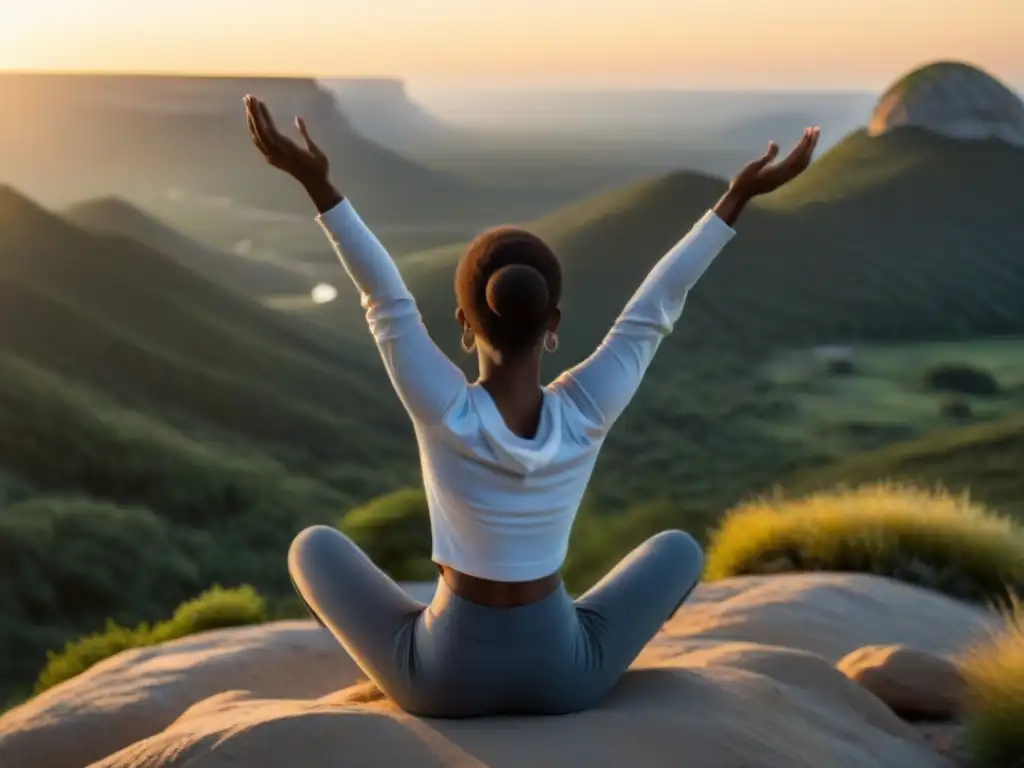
{"type": "Point", "coordinates": [505, 463]}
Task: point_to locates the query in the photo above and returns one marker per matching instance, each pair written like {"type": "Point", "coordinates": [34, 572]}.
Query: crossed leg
{"type": "Point", "coordinates": [625, 609]}
{"type": "Point", "coordinates": [366, 611]}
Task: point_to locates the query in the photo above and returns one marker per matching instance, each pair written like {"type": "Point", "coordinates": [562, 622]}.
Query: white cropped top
{"type": "Point", "coordinates": [502, 506]}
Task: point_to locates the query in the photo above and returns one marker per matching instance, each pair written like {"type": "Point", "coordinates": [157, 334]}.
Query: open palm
{"type": "Point", "coordinates": [763, 175]}
{"type": "Point", "coordinates": [306, 164]}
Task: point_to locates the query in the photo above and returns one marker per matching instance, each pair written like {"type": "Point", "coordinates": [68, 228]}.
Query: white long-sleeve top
{"type": "Point", "coordinates": [502, 506]}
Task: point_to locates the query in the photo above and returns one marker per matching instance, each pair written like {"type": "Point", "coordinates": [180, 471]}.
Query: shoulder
{"type": "Point", "coordinates": [581, 418]}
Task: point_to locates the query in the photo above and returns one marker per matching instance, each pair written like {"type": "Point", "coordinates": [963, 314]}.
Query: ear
{"type": "Point", "coordinates": [460, 318]}
{"type": "Point", "coordinates": [554, 318]}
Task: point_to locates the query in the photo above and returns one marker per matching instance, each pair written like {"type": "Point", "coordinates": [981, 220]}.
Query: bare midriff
{"type": "Point", "coordinates": [498, 594]}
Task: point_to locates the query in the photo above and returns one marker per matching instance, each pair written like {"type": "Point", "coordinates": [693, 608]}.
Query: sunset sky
{"type": "Point", "coordinates": [652, 43]}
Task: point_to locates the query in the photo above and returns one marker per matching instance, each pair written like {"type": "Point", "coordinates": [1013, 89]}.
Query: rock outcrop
{"type": "Point", "coordinates": [745, 674]}
{"type": "Point", "coordinates": [954, 100]}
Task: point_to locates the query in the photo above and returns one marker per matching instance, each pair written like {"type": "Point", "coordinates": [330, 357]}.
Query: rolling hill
{"type": "Point", "coordinates": [905, 236]}
{"type": "Point", "coordinates": [250, 276]}
{"type": "Point", "coordinates": [152, 421]}
{"type": "Point", "coordinates": [118, 316]}
{"type": "Point", "coordinates": [983, 460]}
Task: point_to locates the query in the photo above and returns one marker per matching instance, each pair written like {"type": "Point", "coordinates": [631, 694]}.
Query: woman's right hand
{"type": "Point", "coordinates": [308, 165]}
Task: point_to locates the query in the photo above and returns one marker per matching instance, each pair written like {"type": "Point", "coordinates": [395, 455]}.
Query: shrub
{"type": "Point", "coordinates": [599, 540]}
{"type": "Point", "coordinates": [215, 608]}
{"type": "Point", "coordinates": [840, 367]}
{"type": "Point", "coordinates": [931, 539]}
{"type": "Point", "coordinates": [960, 378]}
{"type": "Point", "coordinates": [994, 673]}
{"type": "Point", "coordinates": [394, 530]}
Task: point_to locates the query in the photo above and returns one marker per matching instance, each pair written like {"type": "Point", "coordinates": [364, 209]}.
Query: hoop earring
{"type": "Point", "coordinates": [550, 341]}
{"type": "Point", "coordinates": [468, 341]}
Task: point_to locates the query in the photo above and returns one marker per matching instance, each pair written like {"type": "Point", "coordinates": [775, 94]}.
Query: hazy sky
{"type": "Point", "coordinates": [710, 43]}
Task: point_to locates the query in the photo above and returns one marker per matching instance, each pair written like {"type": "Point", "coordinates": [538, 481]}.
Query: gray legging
{"type": "Point", "coordinates": [455, 658]}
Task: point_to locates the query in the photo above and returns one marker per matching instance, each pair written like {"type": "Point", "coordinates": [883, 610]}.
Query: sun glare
{"type": "Point", "coordinates": [323, 293]}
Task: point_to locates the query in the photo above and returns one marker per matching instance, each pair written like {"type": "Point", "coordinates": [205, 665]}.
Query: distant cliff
{"type": "Point", "coordinates": [381, 109]}
{"type": "Point", "coordinates": [67, 137]}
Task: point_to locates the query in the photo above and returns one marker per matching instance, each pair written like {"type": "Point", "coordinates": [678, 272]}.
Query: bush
{"type": "Point", "coordinates": [931, 539]}
{"type": "Point", "coordinates": [962, 379]}
{"type": "Point", "coordinates": [215, 608]}
{"type": "Point", "coordinates": [599, 540]}
{"type": "Point", "coordinates": [394, 530]}
{"type": "Point", "coordinates": [994, 674]}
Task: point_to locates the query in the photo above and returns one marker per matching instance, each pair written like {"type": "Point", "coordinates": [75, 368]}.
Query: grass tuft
{"type": "Point", "coordinates": [994, 673]}
{"type": "Point", "coordinates": [929, 538]}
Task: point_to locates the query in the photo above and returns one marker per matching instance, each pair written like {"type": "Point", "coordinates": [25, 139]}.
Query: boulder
{"type": "Point", "coordinates": [744, 674]}
{"type": "Point", "coordinates": [914, 684]}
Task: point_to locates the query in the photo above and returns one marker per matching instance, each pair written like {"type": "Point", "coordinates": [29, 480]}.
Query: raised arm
{"type": "Point", "coordinates": [426, 381]}
{"type": "Point", "coordinates": [603, 385]}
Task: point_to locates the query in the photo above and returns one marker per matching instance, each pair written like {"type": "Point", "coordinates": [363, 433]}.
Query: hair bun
{"type": "Point", "coordinates": [519, 295]}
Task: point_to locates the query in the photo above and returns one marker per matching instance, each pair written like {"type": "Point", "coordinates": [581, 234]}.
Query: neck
{"type": "Point", "coordinates": [514, 385]}
{"type": "Point", "coordinates": [511, 378]}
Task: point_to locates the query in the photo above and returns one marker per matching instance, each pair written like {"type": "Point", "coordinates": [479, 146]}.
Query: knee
{"type": "Point", "coordinates": [682, 550]}
{"type": "Point", "coordinates": [313, 545]}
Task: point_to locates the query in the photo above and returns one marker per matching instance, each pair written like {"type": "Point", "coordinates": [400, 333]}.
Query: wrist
{"type": "Point", "coordinates": [322, 192]}
{"type": "Point", "coordinates": [731, 205]}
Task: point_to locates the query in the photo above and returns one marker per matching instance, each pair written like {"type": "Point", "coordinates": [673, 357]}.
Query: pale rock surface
{"type": "Point", "coordinates": [743, 675]}
{"type": "Point", "coordinates": [954, 100]}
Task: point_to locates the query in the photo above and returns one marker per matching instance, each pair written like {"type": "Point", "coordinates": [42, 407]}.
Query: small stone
{"type": "Point", "coordinates": [914, 684]}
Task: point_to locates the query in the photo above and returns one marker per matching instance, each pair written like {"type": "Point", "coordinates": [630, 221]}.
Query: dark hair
{"type": "Point", "coordinates": [507, 283]}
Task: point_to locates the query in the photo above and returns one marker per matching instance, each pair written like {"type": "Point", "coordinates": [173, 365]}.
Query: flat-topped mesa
{"type": "Point", "coordinates": [163, 94]}
{"type": "Point", "coordinates": [951, 99]}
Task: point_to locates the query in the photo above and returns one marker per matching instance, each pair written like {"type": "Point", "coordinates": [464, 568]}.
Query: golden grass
{"type": "Point", "coordinates": [933, 538]}
{"type": "Point", "coordinates": [994, 673]}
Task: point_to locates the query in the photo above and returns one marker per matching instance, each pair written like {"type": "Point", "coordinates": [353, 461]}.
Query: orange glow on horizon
{"type": "Point", "coordinates": [788, 43]}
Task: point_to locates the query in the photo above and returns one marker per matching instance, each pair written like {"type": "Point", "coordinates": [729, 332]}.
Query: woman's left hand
{"type": "Point", "coordinates": [307, 165]}
{"type": "Point", "coordinates": [763, 176]}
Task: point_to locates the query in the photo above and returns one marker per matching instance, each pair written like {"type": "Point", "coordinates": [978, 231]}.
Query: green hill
{"type": "Point", "coordinates": [903, 237]}
{"type": "Point", "coordinates": [250, 276]}
{"type": "Point", "coordinates": [147, 408]}
{"type": "Point", "coordinates": [127, 320]}
{"type": "Point", "coordinates": [984, 460]}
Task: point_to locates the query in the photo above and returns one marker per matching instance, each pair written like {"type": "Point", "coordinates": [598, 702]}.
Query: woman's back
{"type": "Point", "coordinates": [502, 506]}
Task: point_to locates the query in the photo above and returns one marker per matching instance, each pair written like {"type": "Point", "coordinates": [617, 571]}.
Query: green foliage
{"type": "Point", "coordinates": [394, 530]}
{"type": "Point", "coordinates": [984, 459]}
{"type": "Point", "coordinates": [961, 379]}
{"type": "Point", "coordinates": [932, 539]}
{"type": "Point", "coordinates": [994, 674]}
{"type": "Point", "coordinates": [213, 609]}
{"type": "Point", "coordinates": [600, 540]}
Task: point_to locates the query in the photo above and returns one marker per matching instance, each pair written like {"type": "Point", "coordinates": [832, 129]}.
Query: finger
{"type": "Point", "coordinates": [260, 124]}
{"type": "Point", "coordinates": [250, 121]}
{"type": "Point", "coordinates": [310, 144]}
{"type": "Point", "coordinates": [799, 149]}
{"type": "Point", "coordinates": [273, 134]}
{"type": "Point", "coordinates": [767, 157]}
